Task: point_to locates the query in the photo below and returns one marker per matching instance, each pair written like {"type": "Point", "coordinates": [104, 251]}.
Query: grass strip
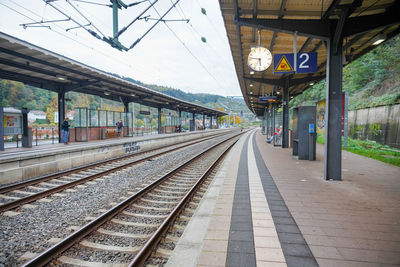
{"type": "Point", "coordinates": [370, 149]}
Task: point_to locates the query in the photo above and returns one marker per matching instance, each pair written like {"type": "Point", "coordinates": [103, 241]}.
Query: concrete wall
{"type": "Point", "coordinates": [381, 124]}
{"type": "Point", "coordinates": [36, 163]}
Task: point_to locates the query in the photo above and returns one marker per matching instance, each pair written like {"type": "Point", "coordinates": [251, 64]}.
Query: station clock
{"type": "Point", "coordinates": [260, 58]}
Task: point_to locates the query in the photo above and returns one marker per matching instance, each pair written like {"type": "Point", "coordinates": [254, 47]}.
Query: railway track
{"type": "Point", "coordinates": [128, 233]}
{"type": "Point", "coordinates": [14, 196]}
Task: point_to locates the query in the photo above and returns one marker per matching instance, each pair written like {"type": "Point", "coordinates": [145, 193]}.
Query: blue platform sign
{"type": "Point", "coordinates": [267, 98]}
{"type": "Point", "coordinates": [307, 62]}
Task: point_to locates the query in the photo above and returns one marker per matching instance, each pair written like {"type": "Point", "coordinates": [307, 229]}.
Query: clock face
{"type": "Point", "coordinates": [259, 59]}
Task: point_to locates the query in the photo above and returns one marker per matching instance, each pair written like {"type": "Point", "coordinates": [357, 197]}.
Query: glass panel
{"type": "Point", "coordinates": [103, 118]}
{"type": "Point", "coordinates": [77, 117]}
{"type": "Point", "coordinates": [110, 118]}
{"type": "Point", "coordinates": [94, 118]}
{"type": "Point", "coordinates": [84, 122]}
{"type": "Point", "coordinates": [128, 122]}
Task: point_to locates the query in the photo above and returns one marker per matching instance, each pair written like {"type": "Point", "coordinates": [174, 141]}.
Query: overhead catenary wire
{"type": "Point", "coordinates": [188, 49]}
{"type": "Point", "coordinates": [193, 31]}
{"type": "Point", "coordinates": [74, 20]}
{"type": "Point", "coordinates": [94, 3]}
{"type": "Point", "coordinates": [80, 13]}
{"type": "Point", "coordinates": [122, 62]}
{"type": "Point", "coordinates": [105, 25]}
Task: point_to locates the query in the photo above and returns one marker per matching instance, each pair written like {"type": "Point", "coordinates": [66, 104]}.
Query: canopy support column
{"type": "Point", "coordinates": [193, 126]}
{"type": "Point", "coordinates": [333, 112]}
{"type": "Point", "coordinates": [61, 111]}
{"type": "Point", "coordinates": [285, 117]}
{"type": "Point", "coordinates": [159, 120]}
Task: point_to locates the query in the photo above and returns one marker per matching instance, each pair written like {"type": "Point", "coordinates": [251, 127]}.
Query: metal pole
{"type": "Point", "coordinates": [295, 50]}
{"type": "Point", "coordinates": [61, 111]}
{"type": "Point", "coordinates": [285, 117]}
{"type": "Point", "coordinates": [159, 120]}
{"type": "Point", "coordinates": [194, 121]}
{"type": "Point", "coordinates": [115, 17]}
{"type": "Point", "coordinates": [87, 125]}
{"type": "Point", "coordinates": [273, 123]}
{"type": "Point", "coordinates": [180, 121]}
{"type": "Point", "coordinates": [25, 135]}
{"type": "Point", "coordinates": [333, 113]}
{"type": "Point", "coordinates": [1, 129]}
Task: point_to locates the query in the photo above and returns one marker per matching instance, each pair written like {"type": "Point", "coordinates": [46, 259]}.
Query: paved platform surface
{"type": "Point", "coordinates": [266, 208]}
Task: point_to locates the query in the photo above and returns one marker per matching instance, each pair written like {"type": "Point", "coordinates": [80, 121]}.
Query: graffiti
{"type": "Point", "coordinates": [103, 149]}
{"type": "Point", "coordinates": [131, 147]}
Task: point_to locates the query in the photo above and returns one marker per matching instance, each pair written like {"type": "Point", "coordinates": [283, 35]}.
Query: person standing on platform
{"type": "Point", "coordinates": [119, 127]}
{"type": "Point", "coordinates": [65, 131]}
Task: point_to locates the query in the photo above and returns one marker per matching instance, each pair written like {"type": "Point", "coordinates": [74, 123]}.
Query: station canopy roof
{"type": "Point", "coordinates": [359, 23]}
{"type": "Point", "coordinates": [30, 64]}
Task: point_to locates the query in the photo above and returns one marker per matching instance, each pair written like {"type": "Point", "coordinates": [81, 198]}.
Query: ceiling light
{"type": "Point", "coordinates": [291, 97]}
{"type": "Point", "coordinates": [251, 72]}
{"type": "Point", "coordinates": [251, 85]}
{"type": "Point", "coordinates": [132, 94]}
{"type": "Point", "coordinates": [278, 93]}
{"type": "Point", "coordinates": [251, 92]}
{"type": "Point", "coordinates": [378, 39]}
{"type": "Point", "coordinates": [311, 84]}
{"type": "Point", "coordinates": [107, 93]}
{"type": "Point", "coordinates": [167, 103]}
{"type": "Point", "coordinates": [61, 77]}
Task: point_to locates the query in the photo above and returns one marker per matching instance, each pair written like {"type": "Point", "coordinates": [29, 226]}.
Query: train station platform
{"type": "Point", "coordinates": [266, 208]}
{"type": "Point", "coordinates": [17, 164]}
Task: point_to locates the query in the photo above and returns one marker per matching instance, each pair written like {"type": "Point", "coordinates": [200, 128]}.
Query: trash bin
{"type": "Point", "coordinates": [304, 136]}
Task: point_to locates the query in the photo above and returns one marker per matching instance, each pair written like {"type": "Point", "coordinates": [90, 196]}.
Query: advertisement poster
{"type": "Point", "coordinates": [12, 124]}
{"type": "Point", "coordinates": [321, 116]}
{"type": "Point", "coordinates": [321, 107]}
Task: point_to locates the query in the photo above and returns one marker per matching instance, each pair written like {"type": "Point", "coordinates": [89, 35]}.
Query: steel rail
{"type": "Point", "coordinates": [50, 254]}
{"type": "Point", "coordinates": [19, 202]}
{"type": "Point", "coordinates": [45, 178]}
{"type": "Point", "coordinates": [155, 238]}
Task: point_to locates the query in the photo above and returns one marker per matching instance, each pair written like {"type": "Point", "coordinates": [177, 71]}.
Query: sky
{"type": "Point", "coordinates": [171, 54]}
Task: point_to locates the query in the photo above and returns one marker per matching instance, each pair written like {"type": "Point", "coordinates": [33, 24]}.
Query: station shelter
{"type": "Point", "coordinates": [24, 62]}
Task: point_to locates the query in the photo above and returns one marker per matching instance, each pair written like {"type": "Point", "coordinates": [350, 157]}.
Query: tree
{"type": "Point", "coordinates": [139, 123]}
{"type": "Point", "coordinates": [53, 107]}
{"type": "Point", "coordinates": [154, 124]}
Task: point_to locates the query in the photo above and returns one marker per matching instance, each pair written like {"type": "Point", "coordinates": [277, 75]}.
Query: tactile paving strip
{"type": "Point", "coordinates": [295, 248]}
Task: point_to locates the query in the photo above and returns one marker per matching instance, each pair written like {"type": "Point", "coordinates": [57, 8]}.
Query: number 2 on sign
{"type": "Point", "coordinates": [302, 64]}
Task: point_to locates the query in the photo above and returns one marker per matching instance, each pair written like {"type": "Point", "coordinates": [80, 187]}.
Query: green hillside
{"type": "Point", "coordinates": [371, 80]}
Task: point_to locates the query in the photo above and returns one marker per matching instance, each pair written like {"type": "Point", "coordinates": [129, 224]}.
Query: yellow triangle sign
{"type": "Point", "coordinates": [283, 65]}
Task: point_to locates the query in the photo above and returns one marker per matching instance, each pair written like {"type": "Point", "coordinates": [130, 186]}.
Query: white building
{"type": "Point", "coordinates": [36, 114]}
